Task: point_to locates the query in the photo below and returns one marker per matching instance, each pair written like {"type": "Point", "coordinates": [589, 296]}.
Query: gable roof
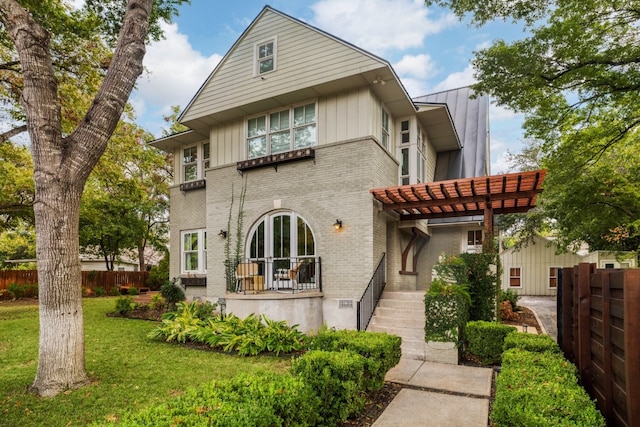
{"type": "Point", "coordinates": [310, 63]}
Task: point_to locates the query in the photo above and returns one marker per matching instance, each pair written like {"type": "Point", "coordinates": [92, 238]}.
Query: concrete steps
{"type": "Point", "coordinates": [402, 313]}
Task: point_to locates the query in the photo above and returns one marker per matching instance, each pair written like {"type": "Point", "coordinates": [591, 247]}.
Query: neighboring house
{"type": "Point", "coordinates": [533, 269]}
{"type": "Point", "coordinates": [322, 133]}
{"type": "Point", "coordinates": [88, 263]}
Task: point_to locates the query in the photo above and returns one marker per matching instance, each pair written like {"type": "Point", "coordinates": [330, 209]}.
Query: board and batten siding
{"type": "Point", "coordinates": [534, 262]}
{"type": "Point", "coordinates": [304, 58]}
{"type": "Point", "coordinates": [341, 117]}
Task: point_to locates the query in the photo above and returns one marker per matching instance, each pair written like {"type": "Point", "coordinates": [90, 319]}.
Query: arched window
{"type": "Point", "coordinates": [281, 235]}
{"type": "Point", "coordinates": [283, 241]}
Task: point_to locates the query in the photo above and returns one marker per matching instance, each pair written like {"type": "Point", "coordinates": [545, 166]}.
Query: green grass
{"type": "Point", "coordinates": [128, 370]}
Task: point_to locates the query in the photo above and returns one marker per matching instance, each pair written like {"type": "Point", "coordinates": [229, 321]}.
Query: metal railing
{"type": "Point", "coordinates": [293, 274]}
{"type": "Point", "coordinates": [371, 295]}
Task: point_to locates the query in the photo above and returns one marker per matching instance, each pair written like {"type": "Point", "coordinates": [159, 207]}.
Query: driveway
{"type": "Point", "coordinates": [546, 309]}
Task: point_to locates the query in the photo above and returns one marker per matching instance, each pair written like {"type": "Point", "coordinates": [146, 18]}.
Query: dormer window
{"type": "Point", "coordinates": [265, 57]}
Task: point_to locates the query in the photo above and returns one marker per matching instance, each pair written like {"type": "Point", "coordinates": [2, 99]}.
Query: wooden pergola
{"type": "Point", "coordinates": [467, 197]}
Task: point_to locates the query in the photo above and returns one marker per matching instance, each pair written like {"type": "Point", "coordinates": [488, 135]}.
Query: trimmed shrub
{"type": "Point", "coordinates": [261, 399]}
{"type": "Point", "coordinates": [124, 305]}
{"type": "Point", "coordinates": [531, 342]}
{"type": "Point", "coordinates": [23, 290]}
{"type": "Point", "coordinates": [381, 351]}
{"type": "Point", "coordinates": [133, 291]}
{"type": "Point", "coordinates": [486, 340]}
{"type": "Point", "coordinates": [172, 294]}
{"type": "Point", "coordinates": [541, 389]}
{"type": "Point", "coordinates": [446, 311]}
{"type": "Point", "coordinates": [100, 292]}
{"type": "Point", "coordinates": [483, 285]}
{"type": "Point", "coordinates": [114, 292]}
{"type": "Point", "coordinates": [336, 378]}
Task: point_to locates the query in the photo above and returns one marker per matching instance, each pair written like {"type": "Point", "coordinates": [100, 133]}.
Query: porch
{"type": "Point", "coordinates": [278, 275]}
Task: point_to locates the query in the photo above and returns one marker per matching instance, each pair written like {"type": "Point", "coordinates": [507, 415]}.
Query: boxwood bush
{"type": "Point", "coordinates": [531, 342]}
{"type": "Point", "coordinates": [541, 389]}
{"type": "Point", "coordinates": [381, 351]}
{"type": "Point", "coordinates": [259, 399]}
{"type": "Point", "coordinates": [486, 340]}
{"type": "Point", "coordinates": [337, 379]}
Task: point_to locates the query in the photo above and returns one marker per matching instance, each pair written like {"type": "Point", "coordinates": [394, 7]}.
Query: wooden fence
{"type": "Point", "coordinates": [106, 280]}
{"type": "Point", "coordinates": [599, 330]}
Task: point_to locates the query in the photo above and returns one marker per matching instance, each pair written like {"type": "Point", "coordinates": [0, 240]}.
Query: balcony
{"type": "Point", "coordinates": [287, 275]}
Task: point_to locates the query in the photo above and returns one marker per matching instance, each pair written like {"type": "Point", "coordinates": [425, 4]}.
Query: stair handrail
{"type": "Point", "coordinates": [371, 295]}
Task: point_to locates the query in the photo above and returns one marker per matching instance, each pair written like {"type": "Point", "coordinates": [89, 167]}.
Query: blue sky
{"type": "Point", "coordinates": [429, 49]}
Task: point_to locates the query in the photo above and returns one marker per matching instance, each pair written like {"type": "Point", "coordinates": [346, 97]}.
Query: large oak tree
{"type": "Point", "coordinates": [576, 76]}
{"type": "Point", "coordinates": [63, 159]}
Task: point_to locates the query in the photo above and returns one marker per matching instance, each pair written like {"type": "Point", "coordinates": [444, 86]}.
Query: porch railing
{"type": "Point", "coordinates": [293, 274]}
{"type": "Point", "coordinates": [371, 295]}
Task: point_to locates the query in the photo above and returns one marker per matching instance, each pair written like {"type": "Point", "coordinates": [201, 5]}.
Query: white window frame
{"type": "Point", "coordinates": [385, 128]}
{"type": "Point", "coordinates": [509, 276]}
{"type": "Point", "coordinates": [405, 144]}
{"type": "Point", "coordinates": [185, 165]}
{"type": "Point", "coordinates": [200, 251]}
{"type": "Point", "coordinates": [206, 157]}
{"type": "Point", "coordinates": [259, 60]}
{"type": "Point", "coordinates": [552, 277]}
{"type": "Point", "coordinates": [293, 128]}
{"type": "Point", "coordinates": [473, 247]}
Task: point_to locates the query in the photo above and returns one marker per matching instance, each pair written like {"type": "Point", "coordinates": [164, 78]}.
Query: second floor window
{"type": "Point", "coordinates": [281, 131]}
{"type": "Point", "coordinates": [385, 129]}
{"type": "Point", "coordinates": [265, 57]}
{"type": "Point", "coordinates": [190, 164]}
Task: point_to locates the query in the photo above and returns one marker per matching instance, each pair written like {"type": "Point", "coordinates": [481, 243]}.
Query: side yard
{"type": "Point", "coordinates": [128, 369]}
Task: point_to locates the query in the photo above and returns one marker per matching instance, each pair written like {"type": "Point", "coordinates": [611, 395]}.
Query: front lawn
{"type": "Point", "coordinates": [128, 370]}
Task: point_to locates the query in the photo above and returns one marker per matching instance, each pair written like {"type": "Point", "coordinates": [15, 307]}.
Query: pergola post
{"type": "Point", "coordinates": [487, 242]}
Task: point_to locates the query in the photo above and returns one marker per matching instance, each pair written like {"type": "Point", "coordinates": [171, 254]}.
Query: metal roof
{"type": "Point", "coordinates": [499, 194]}
{"type": "Point", "coordinates": [470, 115]}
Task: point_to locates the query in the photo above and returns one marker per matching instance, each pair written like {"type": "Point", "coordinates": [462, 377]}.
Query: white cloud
{"type": "Point", "coordinates": [503, 113]}
{"type": "Point", "coordinates": [419, 66]}
{"type": "Point", "coordinates": [456, 80]}
{"type": "Point", "coordinates": [175, 72]}
{"type": "Point", "coordinates": [379, 25]}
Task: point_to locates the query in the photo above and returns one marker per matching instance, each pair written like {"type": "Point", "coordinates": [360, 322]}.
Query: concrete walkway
{"type": "Point", "coordinates": [438, 395]}
{"type": "Point", "coordinates": [442, 395]}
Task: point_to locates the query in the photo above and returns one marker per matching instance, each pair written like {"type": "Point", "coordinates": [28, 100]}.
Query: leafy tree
{"type": "Point", "coordinates": [575, 75]}
{"type": "Point", "coordinates": [125, 203]}
{"type": "Point", "coordinates": [16, 185]}
{"type": "Point", "coordinates": [63, 157]}
{"type": "Point", "coordinates": [17, 243]}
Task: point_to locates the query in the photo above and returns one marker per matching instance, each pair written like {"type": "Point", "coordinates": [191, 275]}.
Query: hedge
{"type": "Point", "coordinates": [531, 342]}
{"type": "Point", "coordinates": [380, 350]}
{"type": "Point", "coordinates": [541, 389]}
{"type": "Point", "coordinates": [337, 379]}
{"type": "Point", "coordinates": [486, 340]}
{"type": "Point", "coordinates": [260, 399]}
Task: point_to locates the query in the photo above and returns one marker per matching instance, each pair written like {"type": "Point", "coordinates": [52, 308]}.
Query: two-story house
{"type": "Point", "coordinates": [298, 126]}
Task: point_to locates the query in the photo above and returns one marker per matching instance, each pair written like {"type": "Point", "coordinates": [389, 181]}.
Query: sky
{"type": "Point", "coordinates": [429, 48]}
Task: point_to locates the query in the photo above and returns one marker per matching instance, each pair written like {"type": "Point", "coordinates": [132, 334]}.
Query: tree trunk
{"type": "Point", "coordinates": [61, 167]}
{"type": "Point", "coordinates": [61, 350]}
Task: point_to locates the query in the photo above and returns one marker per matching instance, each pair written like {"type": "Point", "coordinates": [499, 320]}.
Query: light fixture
{"type": "Point", "coordinates": [222, 303]}
{"type": "Point", "coordinates": [524, 328]}
{"type": "Point", "coordinates": [378, 80]}
{"type": "Point", "coordinates": [338, 224]}
{"type": "Point", "coordinates": [223, 234]}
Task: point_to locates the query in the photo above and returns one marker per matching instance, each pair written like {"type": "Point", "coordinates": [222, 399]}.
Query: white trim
{"type": "Point", "coordinates": [274, 56]}
{"type": "Point", "coordinates": [292, 127]}
{"type": "Point", "coordinates": [549, 276]}
{"type": "Point", "coordinates": [508, 272]}
{"type": "Point", "coordinates": [201, 251]}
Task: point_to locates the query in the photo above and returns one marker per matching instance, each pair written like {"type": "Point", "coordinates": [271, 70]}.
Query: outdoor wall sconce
{"type": "Point", "coordinates": [338, 224]}
{"type": "Point", "coordinates": [223, 234]}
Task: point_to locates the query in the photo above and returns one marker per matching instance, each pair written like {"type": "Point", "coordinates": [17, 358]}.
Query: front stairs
{"type": "Point", "coordinates": [402, 313]}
